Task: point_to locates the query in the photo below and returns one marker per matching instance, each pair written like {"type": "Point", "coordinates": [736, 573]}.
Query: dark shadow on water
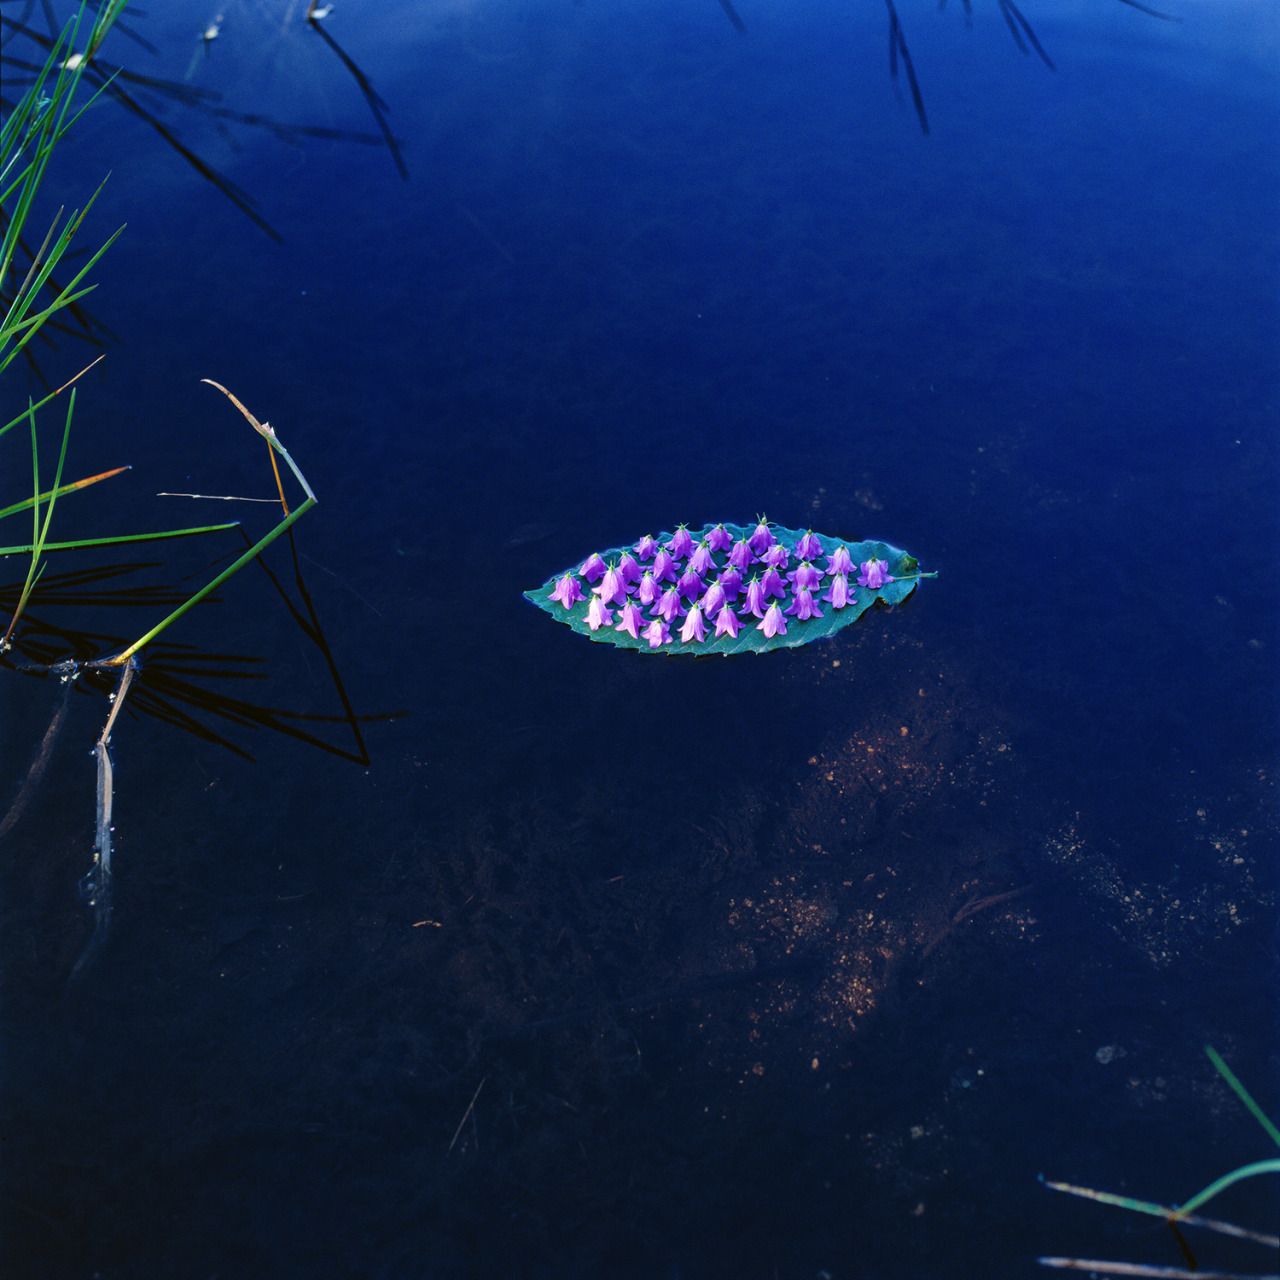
{"type": "Point", "coordinates": [178, 680]}
{"type": "Point", "coordinates": [111, 79]}
{"type": "Point", "coordinates": [376, 105]}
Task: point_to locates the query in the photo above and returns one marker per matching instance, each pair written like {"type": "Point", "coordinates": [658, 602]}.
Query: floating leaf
{"type": "Point", "coordinates": [574, 595]}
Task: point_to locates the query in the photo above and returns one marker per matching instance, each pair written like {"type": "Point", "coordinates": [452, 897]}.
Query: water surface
{"type": "Point", "coordinates": [582, 963]}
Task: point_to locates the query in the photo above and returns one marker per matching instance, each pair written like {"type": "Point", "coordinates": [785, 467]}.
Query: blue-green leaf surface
{"type": "Point", "coordinates": [750, 639]}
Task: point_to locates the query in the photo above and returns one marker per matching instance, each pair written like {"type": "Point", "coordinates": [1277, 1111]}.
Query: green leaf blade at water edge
{"type": "Point", "coordinates": [903, 566]}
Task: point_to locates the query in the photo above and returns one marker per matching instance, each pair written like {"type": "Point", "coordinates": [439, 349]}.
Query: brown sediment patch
{"type": "Point", "coordinates": [900, 837]}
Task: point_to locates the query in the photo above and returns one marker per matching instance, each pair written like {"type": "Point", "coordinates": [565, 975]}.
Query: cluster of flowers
{"type": "Point", "coordinates": [671, 581]}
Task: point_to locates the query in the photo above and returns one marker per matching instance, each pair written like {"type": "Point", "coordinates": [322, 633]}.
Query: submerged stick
{"type": "Point", "coordinates": [1143, 1269]}
{"type": "Point", "coordinates": [97, 883]}
{"type": "Point", "coordinates": [1168, 1212]}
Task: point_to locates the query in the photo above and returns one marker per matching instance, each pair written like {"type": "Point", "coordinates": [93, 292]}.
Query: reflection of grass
{"type": "Point", "coordinates": [1185, 1213]}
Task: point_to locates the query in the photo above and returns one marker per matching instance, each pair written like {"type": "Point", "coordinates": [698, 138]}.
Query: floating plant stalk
{"type": "Point", "coordinates": [267, 432]}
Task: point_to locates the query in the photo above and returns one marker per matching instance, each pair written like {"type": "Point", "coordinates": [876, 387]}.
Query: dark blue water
{"type": "Point", "coordinates": [575, 962]}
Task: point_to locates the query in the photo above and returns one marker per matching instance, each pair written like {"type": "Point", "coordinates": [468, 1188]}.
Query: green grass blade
{"type": "Point", "coordinates": [235, 567]}
{"type": "Point", "coordinates": [57, 475]}
{"type": "Point", "coordinates": [1243, 1094]}
{"type": "Point", "coordinates": [68, 294]}
{"type": "Point", "coordinates": [122, 539]}
{"type": "Point", "coordinates": [1228, 1179]}
{"type": "Point", "coordinates": [34, 549]}
{"type": "Point", "coordinates": [53, 395]}
{"type": "Point", "coordinates": [33, 323]}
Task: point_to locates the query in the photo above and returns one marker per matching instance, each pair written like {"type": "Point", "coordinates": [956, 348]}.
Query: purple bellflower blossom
{"type": "Point", "coordinates": [809, 547]}
{"type": "Point", "coordinates": [731, 581]}
{"type": "Point", "coordinates": [773, 584]}
{"type": "Point", "coordinates": [803, 606]}
{"type": "Point", "coordinates": [630, 570]}
{"type": "Point", "coordinates": [805, 575]}
{"type": "Point", "coordinates": [647, 592]}
{"type": "Point", "coordinates": [701, 560]}
{"type": "Point", "coordinates": [741, 556]}
{"type": "Point", "coordinates": [694, 627]}
{"type": "Point", "coordinates": [568, 591]}
{"type": "Point", "coordinates": [756, 599]}
{"type": "Point", "coordinates": [727, 623]}
{"type": "Point", "coordinates": [597, 615]}
{"type": "Point", "coordinates": [657, 633]}
{"type": "Point", "coordinates": [669, 606]}
{"type": "Point", "coordinates": [872, 574]}
{"type": "Point", "coordinates": [762, 539]}
{"type": "Point", "coordinates": [681, 542]}
{"type": "Point", "coordinates": [837, 595]}
{"type": "Point", "coordinates": [613, 587]}
{"type": "Point", "coordinates": [776, 556]}
{"type": "Point", "coordinates": [631, 619]}
{"type": "Point", "coordinates": [646, 547]}
{"type": "Point", "coordinates": [592, 568]}
{"type": "Point", "coordinates": [664, 566]}
{"type": "Point", "coordinates": [690, 585]}
{"type": "Point", "coordinates": [840, 561]}
{"type": "Point", "coordinates": [719, 539]}
{"type": "Point", "coordinates": [773, 623]}
{"type": "Point", "coordinates": [713, 601]}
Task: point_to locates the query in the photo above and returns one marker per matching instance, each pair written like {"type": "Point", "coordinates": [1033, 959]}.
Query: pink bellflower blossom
{"type": "Point", "coordinates": [727, 623]}
{"type": "Point", "coordinates": [664, 566]}
{"type": "Point", "coordinates": [669, 606]}
{"type": "Point", "coordinates": [712, 602]}
{"type": "Point", "coordinates": [690, 585]}
{"type": "Point", "coordinates": [568, 591]}
{"type": "Point", "coordinates": [837, 595]}
{"type": "Point", "coordinates": [681, 542]}
{"type": "Point", "coordinates": [657, 633]}
{"type": "Point", "coordinates": [694, 627]}
{"type": "Point", "coordinates": [809, 547]}
{"type": "Point", "coordinates": [613, 587]}
{"type": "Point", "coordinates": [756, 599]}
{"type": "Point", "coordinates": [773, 584]}
{"type": "Point", "coordinates": [803, 605]}
{"type": "Point", "coordinates": [762, 539]}
{"type": "Point", "coordinates": [741, 556]}
{"type": "Point", "coordinates": [719, 539]}
{"type": "Point", "coordinates": [647, 592]}
{"type": "Point", "coordinates": [776, 556]}
{"type": "Point", "coordinates": [701, 560]}
{"type": "Point", "coordinates": [805, 575]}
{"type": "Point", "coordinates": [773, 623]}
{"type": "Point", "coordinates": [630, 570]}
{"type": "Point", "coordinates": [872, 574]}
{"type": "Point", "coordinates": [597, 615]}
{"type": "Point", "coordinates": [840, 561]}
{"type": "Point", "coordinates": [731, 581]}
{"type": "Point", "coordinates": [646, 547]}
{"type": "Point", "coordinates": [592, 568]}
{"type": "Point", "coordinates": [631, 619]}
